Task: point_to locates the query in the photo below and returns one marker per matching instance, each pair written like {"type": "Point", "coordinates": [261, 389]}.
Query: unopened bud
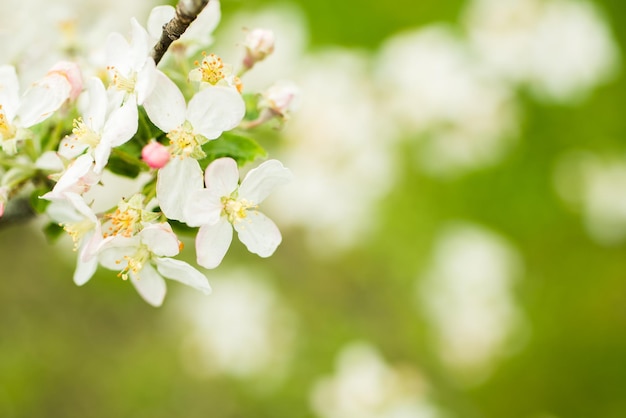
{"type": "Point", "coordinates": [71, 72]}
{"type": "Point", "coordinates": [259, 44]}
{"type": "Point", "coordinates": [156, 155]}
{"type": "Point", "coordinates": [280, 98]}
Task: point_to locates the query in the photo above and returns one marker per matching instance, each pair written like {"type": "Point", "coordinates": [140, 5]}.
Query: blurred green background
{"type": "Point", "coordinates": [497, 289]}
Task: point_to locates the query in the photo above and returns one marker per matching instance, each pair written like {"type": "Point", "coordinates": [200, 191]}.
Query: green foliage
{"type": "Point", "coordinates": [240, 148]}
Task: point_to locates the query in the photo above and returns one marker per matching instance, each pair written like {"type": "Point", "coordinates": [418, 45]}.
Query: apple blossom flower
{"type": "Point", "coordinates": [78, 177]}
{"type": "Point", "coordinates": [81, 223]}
{"type": "Point", "coordinates": [145, 259]}
{"type": "Point", "coordinates": [133, 70]}
{"type": "Point", "coordinates": [100, 131]}
{"type": "Point", "coordinates": [212, 71]}
{"type": "Point", "coordinates": [225, 204]}
{"type": "Point", "coordinates": [209, 113]}
{"type": "Point", "coordinates": [259, 44]}
{"type": "Point", "coordinates": [38, 103]}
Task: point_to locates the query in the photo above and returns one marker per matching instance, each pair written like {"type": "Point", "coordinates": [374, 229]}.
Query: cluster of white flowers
{"type": "Point", "coordinates": [116, 111]}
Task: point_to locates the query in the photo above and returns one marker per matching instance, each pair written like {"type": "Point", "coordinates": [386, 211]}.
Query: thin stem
{"type": "Point", "coordinates": [186, 12]}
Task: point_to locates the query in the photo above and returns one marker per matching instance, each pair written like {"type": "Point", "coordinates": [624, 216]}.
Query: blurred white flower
{"type": "Point", "coordinates": [596, 187]}
{"type": "Point", "coordinates": [244, 330]}
{"type": "Point", "coordinates": [66, 27]}
{"type": "Point", "coordinates": [435, 89]}
{"type": "Point", "coordinates": [560, 48]}
{"type": "Point", "coordinates": [365, 386]}
{"type": "Point", "coordinates": [467, 295]}
{"type": "Point", "coordinates": [339, 146]}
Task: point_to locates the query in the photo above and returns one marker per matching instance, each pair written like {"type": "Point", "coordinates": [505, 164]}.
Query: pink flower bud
{"type": "Point", "coordinates": [156, 155]}
{"type": "Point", "coordinates": [259, 44]}
{"type": "Point", "coordinates": [280, 98]}
{"type": "Point", "coordinates": [4, 197]}
{"type": "Point", "coordinates": [71, 72]}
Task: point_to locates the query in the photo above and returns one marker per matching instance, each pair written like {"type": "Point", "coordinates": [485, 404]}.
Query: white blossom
{"type": "Point", "coordinates": [225, 204]}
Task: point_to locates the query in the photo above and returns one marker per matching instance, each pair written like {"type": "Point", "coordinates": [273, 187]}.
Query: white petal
{"type": "Point", "coordinates": [140, 44]}
{"type": "Point", "coordinates": [160, 239]}
{"type": "Point", "coordinates": [175, 183]}
{"type": "Point", "coordinates": [122, 123]}
{"type": "Point", "coordinates": [84, 269]}
{"type": "Point", "coordinates": [146, 80]}
{"type": "Point", "coordinates": [113, 250]}
{"type": "Point", "coordinates": [183, 272]}
{"type": "Point", "coordinates": [150, 285]}
{"type": "Point", "coordinates": [261, 181]}
{"type": "Point", "coordinates": [203, 208]}
{"type": "Point", "coordinates": [118, 53]}
{"type": "Point", "coordinates": [42, 99]}
{"type": "Point", "coordinates": [9, 91]}
{"type": "Point", "coordinates": [259, 234]}
{"type": "Point", "coordinates": [165, 105]}
{"type": "Point", "coordinates": [159, 16]}
{"type": "Point", "coordinates": [101, 155]}
{"type": "Point", "coordinates": [212, 242]}
{"type": "Point", "coordinates": [215, 110]}
{"type": "Point", "coordinates": [206, 22]}
{"type": "Point", "coordinates": [96, 108]}
{"type": "Point", "coordinates": [222, 176]}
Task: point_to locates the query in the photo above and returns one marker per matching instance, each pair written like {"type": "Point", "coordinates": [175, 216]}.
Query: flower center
{"type": "Point", "coordinates": [124, 222]}
{"type": "Point", "coordinates": [121, 82]}
{"type": "Point", "coordinates": [84, 134]}
{"type": "Point", "coordinates": [212, 69]}
{"type": "Point", "coordinates": [134, 263]}
{"type": "Point", "coordinates": [77, 230]}
{"type": "Point", "coordinates": [7, 131]}
{"type": "Point", "coordinates": [185, 143]}
{"type": "Point", "coordinates": [235, 209]}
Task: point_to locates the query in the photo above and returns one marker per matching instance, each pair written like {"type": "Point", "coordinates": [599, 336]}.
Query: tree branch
{"type": "Point", "coordinates": [186, 12]}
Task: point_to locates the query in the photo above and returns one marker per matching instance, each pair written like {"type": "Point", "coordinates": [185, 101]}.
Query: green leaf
{"type": "Point", "coordinates": [52, 231]}
{"type": "Point", "coordinates": [39, 205]}
{"type": "Point", "coordinates": [124, 164]}
{"type": "Point", "coordinates": [240, 148]}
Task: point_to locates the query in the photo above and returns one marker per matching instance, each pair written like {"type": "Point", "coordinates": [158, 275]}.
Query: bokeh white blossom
{"type": "Point", "coordinates": [467, 294]}
{"type": "Point", "coordinates": [364, 385]}
{"type": "Point", "coordinates": [244, 330]}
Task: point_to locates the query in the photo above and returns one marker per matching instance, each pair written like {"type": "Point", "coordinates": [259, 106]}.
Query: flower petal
{"type": "Point", "coordinates": [182, 272]}
{"type": "Point", "coordinates": [84, 269]}
{"type": "Point", "coordinates": [159, 16]}
{"type": "Point", "coordinates": [212, 242]}
{"type": "Point", "coordinates": [9, 91]}
{"type": "Point", "coordinates": [260, 181]}
{"type": "Point", "coordinates": [42, 99]}
{"type": "Point", "coordinates": [161, 240]}
{"type": "Point", "coordinates": [202, 208]}
{"type": "Point", "coordinates": [122, 123]}
{"type": "Point", "coordinates": [222, 176]}
{"type": "Point", "coordinates": [175, 183]}
{"type": "Point", "coordinates": [200, 29]}
{"type": "Point", "coordinates": [259, 234]}
{"type": "Point", "coordinates": [150, 285]}
{"type": "Point", "coordinates": [165, 105]}
{"type": "Point", "coordinates": [96, 107]}
{"type": "Point", "coordinates": [215, 110]}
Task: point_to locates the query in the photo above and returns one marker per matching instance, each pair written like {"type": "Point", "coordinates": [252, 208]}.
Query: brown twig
{"type": "Point", "coordinates": [186, 12]}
